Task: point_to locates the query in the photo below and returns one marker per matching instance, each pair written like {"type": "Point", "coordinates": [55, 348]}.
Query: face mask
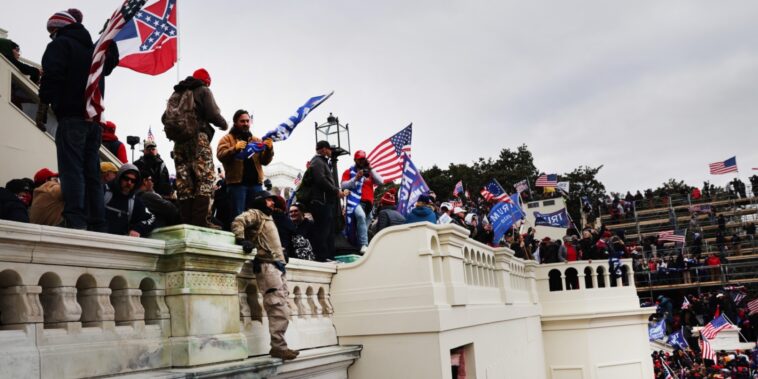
{"type": "Point", "coordinates": [25, 198]}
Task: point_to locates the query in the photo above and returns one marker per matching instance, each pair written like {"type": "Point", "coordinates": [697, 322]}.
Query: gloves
{"type": "Point", "coordinates": [41, 118]}
{"type": "Point", "coordinates": [269, 143]}
{"type": "Point", "coordinates": [247, 246]}
{"type": "Point", "coordinates": [240, 145]}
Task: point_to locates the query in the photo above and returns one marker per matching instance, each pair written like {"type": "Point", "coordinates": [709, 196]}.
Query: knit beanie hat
{"type": "Point", "coordinates": [387, 199]}
{"type": "Point", "coordinates": [202, 74]}
{"type": "Point", "coordinates": [63, 18]}
{"type": "Point", "coordinates": [108, 167]}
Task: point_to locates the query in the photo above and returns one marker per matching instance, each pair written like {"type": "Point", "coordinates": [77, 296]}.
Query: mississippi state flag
{"type": "Point", "coordinates": [147, 44]}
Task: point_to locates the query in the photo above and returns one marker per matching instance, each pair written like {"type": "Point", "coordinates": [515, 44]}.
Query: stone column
{"type": "Point", "coordinates": [202, 295]}
{"type": "Point", "coordinates": [452, 241]}
{"type": "Point", "coordinates": [503, 270]}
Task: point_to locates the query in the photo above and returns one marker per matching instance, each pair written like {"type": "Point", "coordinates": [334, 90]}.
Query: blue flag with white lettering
{"type": "Point", "coordinates": [557, 219]}
{"type": "Point", "coordinates": [503, 216]}
{"type": "Point", "coordinates": [412, 186]}
{"type": "Point", "coordinates": [677, 339]}
{"type": "Point", "coordinates": [657, 331]}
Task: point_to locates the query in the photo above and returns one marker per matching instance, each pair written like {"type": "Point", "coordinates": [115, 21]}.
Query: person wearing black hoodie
{"type": "Point", "coordinates": [193, 158]}
{"type": "Point", "coordinates": [66, 65]}
{"type": "Point", "coordinates": [14, 200]}
{"type": "Point", "coordinates": [124, 211]}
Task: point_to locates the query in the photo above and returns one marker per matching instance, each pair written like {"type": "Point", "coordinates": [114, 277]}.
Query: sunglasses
{"type": "Point", "coordinates": [129, 179]}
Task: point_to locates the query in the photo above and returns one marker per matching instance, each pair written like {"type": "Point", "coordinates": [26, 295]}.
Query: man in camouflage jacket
{"type": "Point", "coordinates": [255, 228]}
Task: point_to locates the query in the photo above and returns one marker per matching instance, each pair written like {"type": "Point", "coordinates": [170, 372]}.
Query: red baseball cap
{"type": "Point", "coordinates": [43, 175]}
{"type": "Point", "coordinates": [360, 154]}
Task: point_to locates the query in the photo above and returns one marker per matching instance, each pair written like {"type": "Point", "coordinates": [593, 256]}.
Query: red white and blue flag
{"type": "Point", "coordinates": [148, 43]}
{"type": "Point", "coordinates": [93, 94]}
{"type": "Point", "coordinates": [714, 327]}
{"type": "Point", "coordinates": [387, 158]}
{"type": "Point", "coordinates": [298, 179]}
{"type": "Point", "coordinates": [725, 167]}
{"type": "Point", "coordinates": [671, 236]}
{"type": "Point", "coordinates": [458, 188]}
{"type": "Point", "coordinates": [706, 349]}
{"type": "Point", "coordinates": [494, 192]}
{"type": "Point", "coordinates": [547, 180]}
{"type": "Point", "coordinates": [150, 136]}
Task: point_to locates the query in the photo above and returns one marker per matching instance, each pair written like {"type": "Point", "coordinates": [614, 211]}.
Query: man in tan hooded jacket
{"type": "Point", "coordinates": [255, 228]}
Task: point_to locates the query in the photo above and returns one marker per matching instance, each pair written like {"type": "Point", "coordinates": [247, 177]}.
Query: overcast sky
{"type": "Point", "coordinates": [650, 89]}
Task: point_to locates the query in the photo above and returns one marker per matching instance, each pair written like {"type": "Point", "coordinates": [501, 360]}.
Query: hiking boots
{"type": "Point", "coordinates": [284, 355]}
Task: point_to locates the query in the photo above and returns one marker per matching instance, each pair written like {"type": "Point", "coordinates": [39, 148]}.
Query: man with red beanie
{"type": "Point", "coordinates": [193, 158]}
{"type": "Point", "coordinates": [111, 142]}
{"type": "Point", "coordinates": [66, 66]}
{"type": "Point", "coordinates": [360, 179]}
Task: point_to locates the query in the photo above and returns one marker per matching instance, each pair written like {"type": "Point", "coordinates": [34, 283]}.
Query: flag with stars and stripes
{"type": "Point", "coordinates": [714, 327]}
{"type": "Point", "coordinates": [672, 236]}
{"type": "Point", "coordinates": [724, 167]}
{"type": "Point", "coordinates": [298, 179]}
{"type": "Point", "coordinates": [412, 186]}
{"type": "Point", "coordinates": [387, 157]}
{"type": "Point", "coordinates": [148, 43]}
{"type": "Point", "coordinates": [706, 349]}
{"type": "Point", "coordinates": [93, 94]}
{"type": "Point", "coordinates": [547, 180]}
{"type": "Point", "coordinates": [150, 136]}
{"type": "Point", "coordinates": [494, 192]}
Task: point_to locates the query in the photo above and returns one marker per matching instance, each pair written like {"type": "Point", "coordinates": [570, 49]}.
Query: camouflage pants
{"type": "Point", "coordinates": [273, 284]}
{"type": "Point", "coordinates": [194, 168]}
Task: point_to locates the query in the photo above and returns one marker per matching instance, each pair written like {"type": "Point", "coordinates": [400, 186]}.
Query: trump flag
{"type": "Point", "coordinates": [503, 215]}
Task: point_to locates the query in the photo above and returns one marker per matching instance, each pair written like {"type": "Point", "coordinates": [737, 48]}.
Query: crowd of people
{"type": "Point", "coordinates": [697, 310]}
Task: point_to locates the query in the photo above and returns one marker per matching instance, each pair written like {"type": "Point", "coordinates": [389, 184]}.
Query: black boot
{"type": "Point", "coordinates": [201, 212]}
{"type": "Point", "coordinates": [185, 210]}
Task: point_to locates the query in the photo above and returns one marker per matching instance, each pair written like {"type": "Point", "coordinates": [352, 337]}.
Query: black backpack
{"type": "Point", "coordinates": [304, 192]}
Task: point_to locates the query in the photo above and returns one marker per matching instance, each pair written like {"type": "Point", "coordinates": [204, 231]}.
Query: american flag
{"type": "Point", "coordinates": [494, 192]}
{"type": "Point", "coordinates": [547, 180]}
{"type": "Point", "coordinates": [521, 186]}
{"type": "Point", "coordinates": [714, 327]}
{"type": "Point", "coordinates": [458, 188]}
{"type": "Point", "coordinates": [727, 166]}
{"type": "Point", "coordinates": [120, 17]}
{"type": "Point", "coordinates": [671, 236]}
{"type": "Point", "coordinates": [298, 178]}
{"type": "Point", "coordinates": [667, 369]}
{"type": "Point", "coordinates": [752, 305]}
{"type": "Point", "coordinates": [387, 157]}
{"type": "Point", "coordinates": [706, 349]}
{"type": "Point", "coordinates": [737, 297]}
{"type": "Point", "coordinates": [150, 136]}
{"type": "Point", "coordinates": [685, 303]}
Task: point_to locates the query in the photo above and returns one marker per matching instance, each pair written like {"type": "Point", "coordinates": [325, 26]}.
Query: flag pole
{"type": "Point", "coordinates": [733, 324]}
{"type": "Point", "coordinates": [178, 43]}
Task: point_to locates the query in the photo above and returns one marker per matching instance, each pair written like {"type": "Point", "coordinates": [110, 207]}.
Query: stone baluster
{"type": "Point", "coordinates": [129, 310]}
{"type": "Point", "coordinates": [301, 302]}
{"type": "Point", "coordinates": [326, 302]}
{"type": "Point", "coordinates": [245, 312]}
{"type": "Point", "coordinates": [20, 305]}
{"type": "Point", "coordinates": [313, 303]}
{"type": "Point", "coordinates": [261, 311]}
{"type": "Point", "coordinates": [594, 279]}
{"type": "Point", "coordinates": [154, 304]}
{"type": "Point", "coordinates": [60, 306]}
{"type": "Point", "coordinates": [295, 311]}
{"type": "Point", "coordinates": [580, 278]}
{"type": "Point", "coordinates": [96, 307]}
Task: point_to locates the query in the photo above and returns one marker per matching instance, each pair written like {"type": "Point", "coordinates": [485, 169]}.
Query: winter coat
{"type": "Point", "coordinates": [6, 49]}
{"type": "Point", "coordinates": [286, 230]}
{"type": "Point", "coordinates": [388, 216]}
{"type": "Point", "coordinates": [233, 167]}
{"type": "Point", "coordinates": [116, 147]}
{"type": "Point", "coordinates": [156, 168]}
{"type": "Point", "coordinates": [66, 64]}
{"type": "Point", "coordinates": [117, 208]}
{"type": "Point", "coordinates": [259, 228]}
{"type": "Point", "coordinates": [324, 190]}
{"type": "Point", "coordinates": [205, 105]}
{"type": "Point", "coordinates": [11, 208]}
{"type": "Point", "coordinates": [47, 204]}
{"type": "Point", "coordinates": [420, 214]}
{"type": "Point", "coordinates": [164, 211]}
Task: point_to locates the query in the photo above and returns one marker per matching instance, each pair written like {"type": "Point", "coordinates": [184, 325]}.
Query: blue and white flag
{"type": "Point", "coordinates": [283, 131]}
{"type": "Point", "coordinates": [677, 339]}
{"type": "Point", "coordinates": [657, 331]}
{"type": "Point", "coordinates": [557, 219]}
{"type": "Point", "coordinates": [503, 215]}
{"type": "Point", "coordinates": [412, 186]}
{"type": "Point", "coordinates": [353, 201]}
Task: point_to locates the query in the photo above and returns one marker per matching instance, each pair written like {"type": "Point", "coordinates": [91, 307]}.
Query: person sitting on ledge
{"type": "Point", "coordinates": [255, 228]}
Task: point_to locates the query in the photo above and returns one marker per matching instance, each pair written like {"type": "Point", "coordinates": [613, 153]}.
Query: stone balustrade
{"type": "Point", "coordinates": [80, 304]}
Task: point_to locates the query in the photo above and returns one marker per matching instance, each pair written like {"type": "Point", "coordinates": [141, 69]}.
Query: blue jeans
{"type": "Point", "coordinates": [361, 225]}
{"type": "Point", "coordinates": [239, 194]}
{"type": "Point", "coordinates": [77, 144]}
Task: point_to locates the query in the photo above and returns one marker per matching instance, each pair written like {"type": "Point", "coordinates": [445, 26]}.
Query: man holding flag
{"type": "Point", "coordinates": [360, 180]}
{"type": "Point", "coordinates": [66, 64]}
{"type": "Point", "coordinates": [244, 177]}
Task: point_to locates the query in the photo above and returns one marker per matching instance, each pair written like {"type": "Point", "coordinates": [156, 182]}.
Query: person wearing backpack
{"type": "Point", "coordinates": [189, 113]}
{"type": "Point", "coordinates": [125, 214]}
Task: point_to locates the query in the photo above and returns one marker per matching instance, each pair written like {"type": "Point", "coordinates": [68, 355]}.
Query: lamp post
{"type": "Point", "coordinates": [338, 136]}
{"type": "Point", "coordinates": [132, 140]}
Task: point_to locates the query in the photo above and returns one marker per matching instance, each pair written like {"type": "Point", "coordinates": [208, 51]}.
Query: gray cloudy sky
{"type": "Point", "coordinates": [650, 89]}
